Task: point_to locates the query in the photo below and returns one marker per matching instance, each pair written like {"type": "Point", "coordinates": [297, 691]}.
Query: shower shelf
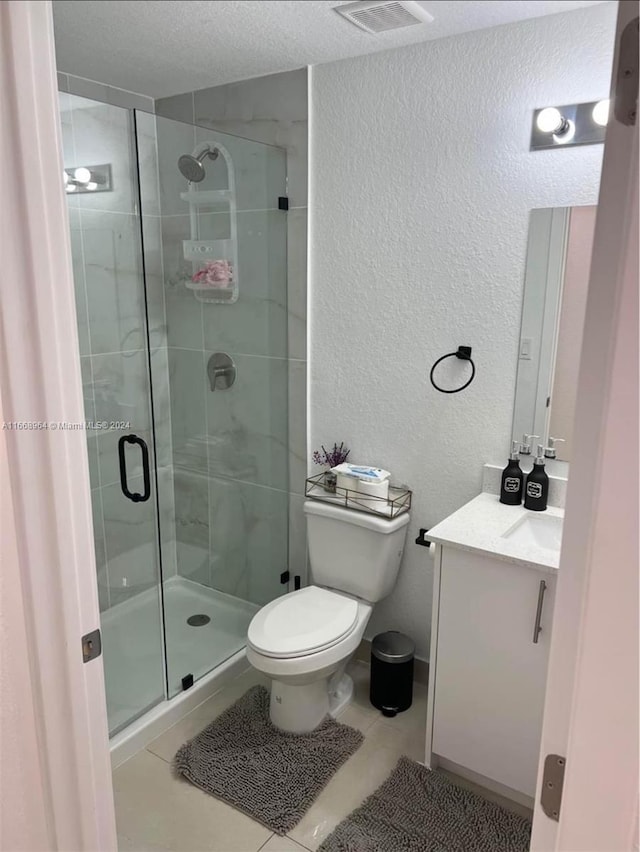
{"type": "Point", "coordinates": [207, 293]}
{"type": "Point", "coordinates": [200, 253]}
{"type": "Point", "coordinates": [208, 197]}
{"type": "Point", "coordinates": [202, 250]}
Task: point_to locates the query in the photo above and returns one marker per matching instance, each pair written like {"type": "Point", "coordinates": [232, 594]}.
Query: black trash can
{"type": "Point", "coordinates": [391, 688]}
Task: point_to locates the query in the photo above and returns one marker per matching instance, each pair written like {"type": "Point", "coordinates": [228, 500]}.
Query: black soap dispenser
{"type": "Point", "coordinates": [512, 479]}
{"type": "Point", "coordinates": [536, 490]}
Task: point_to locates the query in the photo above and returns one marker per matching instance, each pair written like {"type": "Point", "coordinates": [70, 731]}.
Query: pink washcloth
{"type": "Point", "coordinates": [215, 273]}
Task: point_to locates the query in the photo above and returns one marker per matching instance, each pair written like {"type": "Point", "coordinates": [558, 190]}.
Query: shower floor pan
{"type": "Point", "coordinates": [132, 645]}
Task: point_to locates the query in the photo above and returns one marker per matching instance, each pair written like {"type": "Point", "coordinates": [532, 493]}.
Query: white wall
{"type": "Point", "coordinates": [421, 186]}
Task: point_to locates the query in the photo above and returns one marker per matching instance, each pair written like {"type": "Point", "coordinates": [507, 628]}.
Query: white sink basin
{"type": "Point", "coordinates": [537, 530]}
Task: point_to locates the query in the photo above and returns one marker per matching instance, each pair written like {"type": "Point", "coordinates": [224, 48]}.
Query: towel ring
{"type": "Point", "coordinates": [464, 353]}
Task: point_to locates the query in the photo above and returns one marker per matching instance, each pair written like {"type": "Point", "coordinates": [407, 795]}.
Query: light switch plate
{"type": "Point", "coordinates": [526, 346]}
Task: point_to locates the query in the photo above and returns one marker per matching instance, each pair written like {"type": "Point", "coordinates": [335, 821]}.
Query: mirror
{"type": "Point", "coordinates": [553, 310]}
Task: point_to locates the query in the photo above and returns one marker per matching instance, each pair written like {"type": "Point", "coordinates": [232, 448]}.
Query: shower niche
{"type": "Point", "coordinates": [214, 262]}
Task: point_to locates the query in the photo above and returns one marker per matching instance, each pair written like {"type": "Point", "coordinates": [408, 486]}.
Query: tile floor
{"type": "Point", "coordinates": [156, 812]}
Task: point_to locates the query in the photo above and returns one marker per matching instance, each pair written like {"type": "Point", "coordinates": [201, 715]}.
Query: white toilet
{"type": "Point", "coordinates": [303, 640]}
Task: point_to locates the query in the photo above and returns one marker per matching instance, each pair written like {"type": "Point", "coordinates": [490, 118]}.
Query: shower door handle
{"type": "Point", "coordinates": [124, 485]}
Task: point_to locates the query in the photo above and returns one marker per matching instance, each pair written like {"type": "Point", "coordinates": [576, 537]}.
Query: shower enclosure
{"type": "Point", "coordinates": [180, 279]}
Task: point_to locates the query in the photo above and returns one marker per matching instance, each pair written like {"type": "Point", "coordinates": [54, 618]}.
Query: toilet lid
{"type": "Point", "coordinates": [302, 622]}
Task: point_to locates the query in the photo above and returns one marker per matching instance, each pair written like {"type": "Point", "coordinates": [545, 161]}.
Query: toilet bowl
{"type": "Point", "coordinates": [304, 639]}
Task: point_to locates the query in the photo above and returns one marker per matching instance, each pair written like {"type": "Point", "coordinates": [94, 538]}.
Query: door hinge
{"type": "Point", "coordinates": [552, 781]}
{"type": "Point", "coordinates": [296, 582]}
{"type": "Point", "coordinates": [91, 646]}
{"type": "Point", "coordinates": [283, 202]}
{"type": "Point", "coordinates": [285, 577]}
{"type": "Point", "coordinates": [626, 105]}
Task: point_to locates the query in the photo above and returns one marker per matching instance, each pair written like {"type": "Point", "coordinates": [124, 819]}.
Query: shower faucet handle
{"type": "Point", "coordinates": [221, 371]}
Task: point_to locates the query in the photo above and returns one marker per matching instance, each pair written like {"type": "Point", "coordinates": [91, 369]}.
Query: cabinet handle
{"type": "Point", "coordinates": [536, 628]}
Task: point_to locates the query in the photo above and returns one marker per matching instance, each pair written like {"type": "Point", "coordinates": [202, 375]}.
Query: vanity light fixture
{"type": "Point", "coordinates": [551, 120]}
{"type": "Point", "coordinates": [566, 134]}
{"type": "Point", "coordinates": [600, 113]}
{"type": "Point", "coordinates": [88, 179]}
{"type": "Point", "coordinates": [568, 125]}
{"type": "Point", "coordinates": [82, 175]}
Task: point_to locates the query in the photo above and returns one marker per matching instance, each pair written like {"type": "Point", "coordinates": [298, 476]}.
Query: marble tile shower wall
{"type": "Point", "coordinates": [105, 245]}
{"type": "Point", "coordinates": [229, 446]}
{"type": "Point", "coordinates": [255, 451]}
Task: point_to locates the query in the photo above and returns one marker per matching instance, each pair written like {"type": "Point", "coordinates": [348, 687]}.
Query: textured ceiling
{"type": "Point", "coordinates": [164, 47]}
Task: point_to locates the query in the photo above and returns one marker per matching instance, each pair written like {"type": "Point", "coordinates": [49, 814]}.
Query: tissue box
{"type": "Point", "coordinates": [345, 481]}
{"type": "Point", "coordinates": [365, 480]}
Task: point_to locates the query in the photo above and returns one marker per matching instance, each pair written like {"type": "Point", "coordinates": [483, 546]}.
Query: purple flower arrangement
{"type": "Point", "coordinates": [333, 457]}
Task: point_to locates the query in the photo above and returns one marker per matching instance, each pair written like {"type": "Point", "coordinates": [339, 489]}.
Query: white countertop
{"type": "Point", "coordinates": [479, 526]}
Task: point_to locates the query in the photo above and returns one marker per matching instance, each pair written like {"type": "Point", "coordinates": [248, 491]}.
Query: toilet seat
{"type": "Point", "coordinates": [303, 622]}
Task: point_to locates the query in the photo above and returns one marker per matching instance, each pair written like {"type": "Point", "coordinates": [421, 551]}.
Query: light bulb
{"type": "Point", "coordinates": [567, 133]}
{"type": "Point", "coordinates": [600, 113]}
{"type": "Point", "coordinates": [549, 120]}
{"type": "Point", "coordinates": [65, 177]}
{"type": "Point", "coordinates": [92, 185]}
{"type": "Point", "coordinates": [82, 174]}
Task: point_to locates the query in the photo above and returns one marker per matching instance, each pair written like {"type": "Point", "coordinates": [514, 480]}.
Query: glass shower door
{"type": "Point", "coordinates": [215, 238]}
{"type": "Point", "coordinates": [111, 305]}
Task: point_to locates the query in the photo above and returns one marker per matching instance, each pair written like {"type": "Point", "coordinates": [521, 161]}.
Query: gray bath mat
{"type": "Point", "coordinates": [417, 810]}
{"type": "Point", "coordinates": [271, 776]}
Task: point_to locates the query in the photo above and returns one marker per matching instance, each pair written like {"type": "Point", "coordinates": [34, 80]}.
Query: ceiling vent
{"type": "Point", "coordinates": [377, 17]}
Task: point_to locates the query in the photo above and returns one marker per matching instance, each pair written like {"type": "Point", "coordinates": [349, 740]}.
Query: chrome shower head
{"type": "Point", "coordinates": [190, 165]}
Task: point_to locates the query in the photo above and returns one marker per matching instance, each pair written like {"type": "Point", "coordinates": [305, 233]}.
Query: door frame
{"type": "Point", "coordinates": [591, 707]}
{"type": "Point", "coordinates": [63, 784]}
{"type": "Point", "coordinates": [46, 487]}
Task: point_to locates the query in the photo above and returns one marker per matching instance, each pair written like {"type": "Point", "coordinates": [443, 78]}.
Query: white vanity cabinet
{"type": "Point", "coordinates": [489, 652]}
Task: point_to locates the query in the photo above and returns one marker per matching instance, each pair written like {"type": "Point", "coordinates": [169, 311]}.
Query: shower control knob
{"type": "Point", "coordinates": [221, 371]}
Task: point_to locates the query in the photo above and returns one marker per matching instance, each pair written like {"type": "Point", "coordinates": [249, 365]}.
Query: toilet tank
{"type": "Point", "coordinates": [353, 552]}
